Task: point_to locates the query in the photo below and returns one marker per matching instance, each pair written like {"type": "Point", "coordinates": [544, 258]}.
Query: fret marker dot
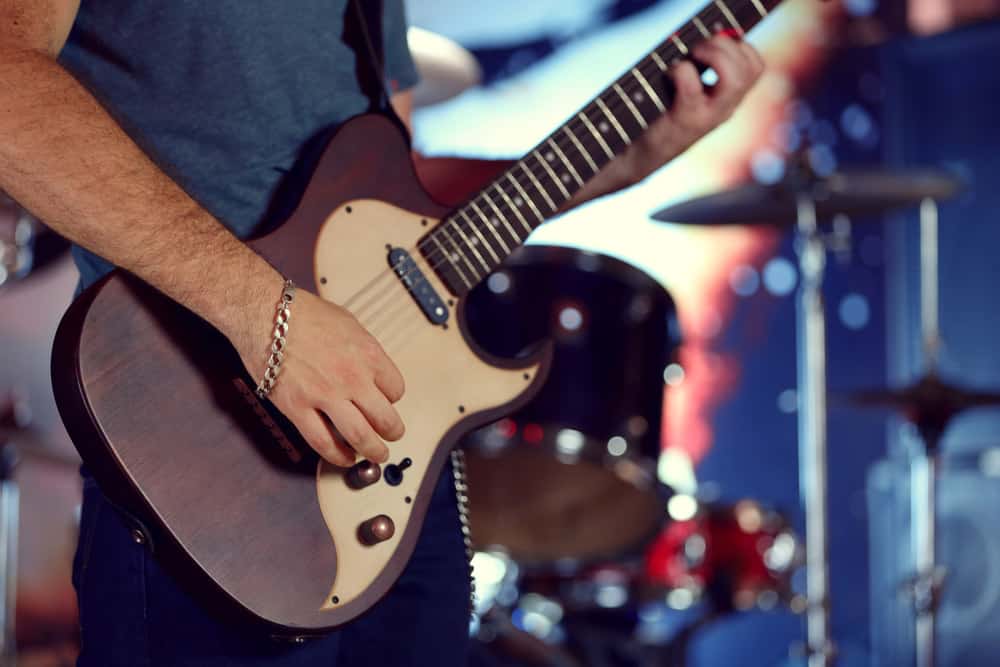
{"type": "Point", "coordinates": [638, 97]}
{"type": "Point", "coordinates": [494, 222]}
{"type": "Point", "coordinates": [518, 201]}
{"type": "Point", "coordinates": [603, 126]}
{"type": "Point", "coordinates": [566, 178]}
{"type": "Point", "coordinates": [718, 26]}
{"type": "Point", "coordinates": [550, 156]}
{"type": "Point", "coordinates": [455, 257]}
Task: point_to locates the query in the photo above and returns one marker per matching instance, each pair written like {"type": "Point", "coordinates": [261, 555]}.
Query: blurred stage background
{"type": "Point", "coordinates": [853, 83]}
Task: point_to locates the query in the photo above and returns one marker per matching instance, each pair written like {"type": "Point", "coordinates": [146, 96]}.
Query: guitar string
{"type": "Point", "coordinates": [618, 105]}
{"type": "Point", "coordinates": [690, 38]}
{"type": "Point", "coordinates": [437, 258]}
{"type": "Point", "coordinates": [434, 259]}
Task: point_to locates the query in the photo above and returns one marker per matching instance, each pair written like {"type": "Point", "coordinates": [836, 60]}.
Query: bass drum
{"type": "Point", "coordinates": [572, 475]}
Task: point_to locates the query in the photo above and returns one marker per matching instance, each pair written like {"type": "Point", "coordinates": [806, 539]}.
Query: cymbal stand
{"type": "Point", "coordinates": [811, 336]}
{"type": "Point", "coordinates": [9, 511]}
{"type": "Point", "coordinates": [928, 578]}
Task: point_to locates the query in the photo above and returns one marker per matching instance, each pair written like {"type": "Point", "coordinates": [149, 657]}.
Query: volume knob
{"type": "Point", "coordinates": [363, 474]}
{"type": "Point", "coordinates": [377, 529]}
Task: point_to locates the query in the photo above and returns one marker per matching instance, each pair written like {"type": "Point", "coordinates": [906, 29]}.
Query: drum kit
{"type": "Point", "coordinates": [564, 496]}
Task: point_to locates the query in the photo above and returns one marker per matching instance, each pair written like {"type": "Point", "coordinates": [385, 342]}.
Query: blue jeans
{"type": "Point", "coordinates": [133, 614]}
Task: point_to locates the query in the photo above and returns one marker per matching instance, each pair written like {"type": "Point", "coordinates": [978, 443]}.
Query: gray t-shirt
{"type": "Point", "coordinates": [226, 95]}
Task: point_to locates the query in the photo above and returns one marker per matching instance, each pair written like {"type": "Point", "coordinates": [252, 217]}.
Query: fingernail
{"type": "Point", "coordinates": [730, 32]}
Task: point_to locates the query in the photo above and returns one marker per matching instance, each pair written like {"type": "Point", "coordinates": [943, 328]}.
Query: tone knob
{"type": "Point", "coordinates": [363, 474]}
{"type": "Point", "coordinates": [377, 529]}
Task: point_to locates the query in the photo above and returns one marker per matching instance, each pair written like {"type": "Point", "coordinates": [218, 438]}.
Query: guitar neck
{"type": "Point", "coordinates": [478, 236]}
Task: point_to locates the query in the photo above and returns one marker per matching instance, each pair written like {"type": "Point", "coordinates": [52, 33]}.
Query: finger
{"type": "Point", "coordinates": [690, 92]}
{"type": "Point", "coordinates": [753, 56]}
{"type": "Point", "coordinates": [389, 380]}
{"type": "Point", "coordinates": [381, 416]}
{"type": "Point", "coordinates": [355, 430]}
{"type": "Point", "coordinates": [724, 56]}
{"type": "Point", "coordinates": [319, 434]}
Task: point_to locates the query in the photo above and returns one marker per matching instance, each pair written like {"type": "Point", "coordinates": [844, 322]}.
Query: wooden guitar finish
{"type": "Point", "coordinates": [147, 392]}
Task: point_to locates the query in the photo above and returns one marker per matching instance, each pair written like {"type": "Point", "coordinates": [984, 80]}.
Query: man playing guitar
{"type": "Point", "coordinates": [155, 134]}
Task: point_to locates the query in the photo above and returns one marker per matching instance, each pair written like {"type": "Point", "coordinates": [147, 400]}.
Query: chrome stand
{"type": "Point", "coordinates": [812, 433]}
{"type": "Point", "coordinates": [928, 577]}
{"type": "Point", "coordinates": [9, 511]}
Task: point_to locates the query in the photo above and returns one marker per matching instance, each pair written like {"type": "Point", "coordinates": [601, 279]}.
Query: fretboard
{"type": "Point", "coordinates": [476, 238]}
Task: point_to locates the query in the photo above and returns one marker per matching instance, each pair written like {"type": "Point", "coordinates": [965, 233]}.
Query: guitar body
{"type": "Point", "coordinates": [160, 408]}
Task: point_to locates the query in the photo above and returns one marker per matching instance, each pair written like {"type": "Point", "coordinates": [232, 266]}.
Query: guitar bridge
{"type": "Point", "coordinates": [418, 286]}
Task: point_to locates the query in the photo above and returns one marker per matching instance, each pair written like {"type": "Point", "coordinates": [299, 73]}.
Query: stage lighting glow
{"type": "Point", "coordinates": [570, 318]}
{"type": "Point", "coordinates": [767, 166]}
{"type": "Point", "coordinates": [744, 280]}
{"type": "Point", "coordinates": [854, 311]}
{"type": "Point", "coordinates": [788, 401]}
{"type": "Point", "coordinates": [676, 470]}
{"type": "Point", "coordinates": [611, 596]}
{"type": "Point", "coordinates": [569, 441]}
{"type": "Point", "coordinates": [499, 282]}
{"type": "Point", "coordinates": [780, 277]}
{"type": "Point", "coordinates": [680, 599]}
{"type": "Point", "coordinates": [673, 374]}
{"type": "Point", "coordinates": [682, 507]}
{"type": "Point", "coordinates": [617, 446]}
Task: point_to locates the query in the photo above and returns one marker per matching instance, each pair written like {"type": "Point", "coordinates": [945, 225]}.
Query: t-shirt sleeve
{"type": "Point", "coordinates": [399, 66]}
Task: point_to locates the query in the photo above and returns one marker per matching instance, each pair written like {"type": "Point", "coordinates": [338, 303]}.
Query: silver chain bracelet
{"type": "Point", "coordinates": [278, 342]}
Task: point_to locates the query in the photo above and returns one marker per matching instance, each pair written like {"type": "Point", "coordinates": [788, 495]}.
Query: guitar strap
{"type": "Point", "coordinates": [363, 32]}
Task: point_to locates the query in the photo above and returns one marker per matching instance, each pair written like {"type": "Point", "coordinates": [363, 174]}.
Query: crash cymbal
{"type": "Point", "coordinates": [930, 403]}
{"type": "Point", "coordinates": [853, 193]}
{"type": "Point", "coordinates": [445, 68]}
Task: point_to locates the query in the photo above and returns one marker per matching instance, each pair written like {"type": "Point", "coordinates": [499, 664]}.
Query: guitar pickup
{"type": "Point", "coordinates": [418, 286]}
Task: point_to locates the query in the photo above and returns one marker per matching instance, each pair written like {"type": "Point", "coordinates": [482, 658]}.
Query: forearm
{"type": "Point", "coordinates": [66, 160]}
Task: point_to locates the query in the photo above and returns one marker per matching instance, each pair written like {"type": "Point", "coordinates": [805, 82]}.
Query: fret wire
{"type": "Point", "coordinates": [701, 27]}
{"type": "Point", "coordinates": [526, 198]}
{"type": "Point", "coordinates": [458, 270]}
{"type": "Point", "coordinates": [471, 246]}
{"type": "Point", "coordinates": [538, 186]}
{"type": "Point", "coordinates": [579, 147]}
{"type": "Point", "coordinates": [679, 44]}
{"type": "Point", "coordinates": [655, 59]}
{"type": "Point", "coordinates": [458, 250]}
{"type": "Point", "coordinates": [600, 140]}
{"type": "Point", "coordinates": [510, 204]}
{"type": "Point", "coordinates": [566, 162]}
{"type": "Point", "coordinates": [552, 174]}
{"type": "Point", "coordinates": [659, 61]}
{"type": "Point", "coordinates": [628, 102]}
{"type": "Point", "coordinates": [502, 217]}
{"type": "Point", "coordinates": [475, 228]}
{"type": "Point", "coordinates": [614, 121]}
{"type": "Point", "coordinates": [729, 17]}
{"type": "Point", "coordinates": [491, 227]}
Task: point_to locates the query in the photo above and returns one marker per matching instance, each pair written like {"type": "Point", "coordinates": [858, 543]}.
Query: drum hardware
{"type": "Point", "coordinates": [802, 200]}
{"type": "Point", "coordinates": [25, 244]}
{"type": "Point", "coordinates": [929, 404]}
{"type": "Point", "coordinates": [552, 483]}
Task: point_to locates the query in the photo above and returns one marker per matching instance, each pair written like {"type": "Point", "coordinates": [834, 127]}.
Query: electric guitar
{"type": "Point", "coordinates": [163, 414]}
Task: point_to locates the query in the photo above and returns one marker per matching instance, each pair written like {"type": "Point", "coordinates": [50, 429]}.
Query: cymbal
{"type": "Point", "coordinates": [445, 68]}
{"type": "Point", "coordinates": [853, 193]}
{"type": "Point", "coordinates": [929, 402]}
